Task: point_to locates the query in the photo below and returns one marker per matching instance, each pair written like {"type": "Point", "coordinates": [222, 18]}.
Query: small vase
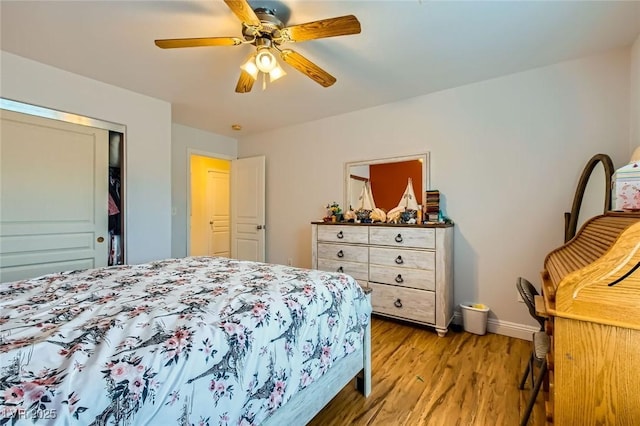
{"type": "Point", "coordinates": [333, 218]}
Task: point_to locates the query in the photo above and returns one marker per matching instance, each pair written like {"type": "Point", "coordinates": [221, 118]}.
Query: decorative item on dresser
{"type": "Point", "coordinates": [408, 267]}
{"type": "Point", "coordinates": [591, 294]}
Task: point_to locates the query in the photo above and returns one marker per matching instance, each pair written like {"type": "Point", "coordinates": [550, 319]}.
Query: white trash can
{"type": "Point", "coordinates": [474, 318]}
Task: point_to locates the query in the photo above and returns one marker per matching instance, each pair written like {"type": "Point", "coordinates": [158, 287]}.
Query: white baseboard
{"type": "Point", "coordinates": [504, 328]}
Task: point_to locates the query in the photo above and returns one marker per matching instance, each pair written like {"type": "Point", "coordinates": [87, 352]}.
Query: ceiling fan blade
{"type": "Point", "coordinates": [243, 11]}
{"type": "Point", "coordinates": [307, 67]}
{"type": "Point", "coordinates": [245, 82]}
{"type": "Point", "coordinates": [343, 25]}
{"type": "Point", "coordinates": [198, 42]}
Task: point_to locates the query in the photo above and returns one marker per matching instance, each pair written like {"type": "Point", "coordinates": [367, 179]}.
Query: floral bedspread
{"type": "Point", "coordinates": [192, 341]}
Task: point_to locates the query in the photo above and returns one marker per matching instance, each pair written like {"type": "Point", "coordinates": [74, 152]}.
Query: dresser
{"type": "Point", "coordinates": [409, 268]}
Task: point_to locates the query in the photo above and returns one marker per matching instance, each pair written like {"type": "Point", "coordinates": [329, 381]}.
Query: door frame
{"type": "Point", "coordinates": [44, 112]}
{"type": "Point", "coordinates": [201, 153]}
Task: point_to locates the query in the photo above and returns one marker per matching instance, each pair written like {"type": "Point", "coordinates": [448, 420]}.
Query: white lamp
{"type": "Point", "coordinates": [265, 61]}
{"type": "Point", "coordinates": [250, 67]}
{"type": "Point", "coordinates": [276, 73]}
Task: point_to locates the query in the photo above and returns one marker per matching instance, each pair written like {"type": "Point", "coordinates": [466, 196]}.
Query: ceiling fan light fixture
{"type": "Point", "coordinates": [250, 68]}
{"type": "Point", "coordinates": [265, 61]}
{"type": "Point", "coordinates": [276, 73]}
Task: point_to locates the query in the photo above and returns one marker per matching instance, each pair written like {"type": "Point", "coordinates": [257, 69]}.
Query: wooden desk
{"type": "Point", "coordinates": [541, 309]}
{"type": "Point", "coordinates": [594, 315]}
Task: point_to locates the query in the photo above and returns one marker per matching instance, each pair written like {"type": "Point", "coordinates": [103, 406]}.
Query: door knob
{"type": "Point", "coordinates": [100, 239]}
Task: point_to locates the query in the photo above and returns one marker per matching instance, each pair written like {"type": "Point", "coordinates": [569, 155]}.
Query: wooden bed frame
{"type": "Point", "coordinates": [304, 405]}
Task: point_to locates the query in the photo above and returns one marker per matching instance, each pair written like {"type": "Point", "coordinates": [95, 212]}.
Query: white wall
{"type": "Point", "coordinates": [148, 142]}
{"type": "Point", "coordinates": [634, 140]}
{"type": "Point", "coordinates": [185, 140]}
{"type": "Point", "coordinates": [506, 155]}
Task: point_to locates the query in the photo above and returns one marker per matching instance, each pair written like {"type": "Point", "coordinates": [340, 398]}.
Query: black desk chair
{"type": "Point", "coordinates": [541, 345]}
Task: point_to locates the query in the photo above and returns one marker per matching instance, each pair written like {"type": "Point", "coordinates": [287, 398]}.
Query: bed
{"type": "Point", "coordinates": [191, 341]}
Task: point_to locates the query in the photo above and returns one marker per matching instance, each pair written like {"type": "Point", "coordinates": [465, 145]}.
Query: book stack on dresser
{"type": "Point", "coordinates": [431, 205]}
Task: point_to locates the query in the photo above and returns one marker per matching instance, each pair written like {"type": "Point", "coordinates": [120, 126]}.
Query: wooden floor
{"type": "Point", "coordinates": [422, 379]}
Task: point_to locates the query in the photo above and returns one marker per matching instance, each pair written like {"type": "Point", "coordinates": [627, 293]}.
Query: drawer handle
{"type": "Point", "coordinates": [340, 254]}
{"type": "Point", "coordinates": [340, 269]}
{"type": "Point", "coordinates": [399, 260]}
{"type": "Point", "coordinates": [399, 279]}
{"type": "Point", "coordinates": [398, 238]}
{"type": "Point", "coordinates": [340, 235]}
{"type": "Point", "coordinates": [398, 303]}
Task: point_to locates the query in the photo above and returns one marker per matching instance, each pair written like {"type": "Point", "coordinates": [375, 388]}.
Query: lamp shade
{"type": "Point", "coordinates": [265, 61]}
{"type": "Point", "coordinates": [250, 67]}
{"type": "Point", "coordinates": [276, 73]}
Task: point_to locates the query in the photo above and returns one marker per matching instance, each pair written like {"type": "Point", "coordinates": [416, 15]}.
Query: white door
{"type": "Point", "coordinates": [248, 208]}
{"type": "Point", "coordinates": [53, 196]}
{"type": "Point", "coordinates": [219, 238]}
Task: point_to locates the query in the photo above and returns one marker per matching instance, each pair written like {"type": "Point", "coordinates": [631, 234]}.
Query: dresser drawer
{"type": "Point", "coordinates": [343, 252]}
{"type": "Point", "coordinates": [343, 234]}
{"type": "Point", "coordinates": [356, 270]}
{"type": "Point", "coordinates": [403, 237]}
{"type": "Point", "coordinates": [403, 258]}
{"type": "Point", "coordinates": [416, 305]}
{"type": "Point", "coordinates": [404, 277]}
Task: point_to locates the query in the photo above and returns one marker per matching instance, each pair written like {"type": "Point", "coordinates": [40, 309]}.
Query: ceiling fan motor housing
{"type": "Point", "coordinates": [269, 29]}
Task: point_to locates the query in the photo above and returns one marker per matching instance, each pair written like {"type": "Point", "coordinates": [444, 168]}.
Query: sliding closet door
{"type": "Point", "coordinates": [53, 192]}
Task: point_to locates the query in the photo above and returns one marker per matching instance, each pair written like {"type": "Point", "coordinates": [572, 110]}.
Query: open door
{"type": "Point", "coordinates": [248, 209]}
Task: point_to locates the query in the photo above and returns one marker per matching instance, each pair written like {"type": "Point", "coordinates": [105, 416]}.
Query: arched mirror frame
{"type": "Point", "coordinates": [571, 218]}
{"type": "Point", "coordinates": [423, 157]}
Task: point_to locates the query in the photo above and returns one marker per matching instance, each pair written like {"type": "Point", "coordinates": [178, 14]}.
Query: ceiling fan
{"type": "Point", "coordinates": [263, 29]}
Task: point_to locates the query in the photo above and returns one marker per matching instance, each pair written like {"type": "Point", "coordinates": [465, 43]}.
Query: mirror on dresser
{"type": "Point", "coordinates": [388, 179]}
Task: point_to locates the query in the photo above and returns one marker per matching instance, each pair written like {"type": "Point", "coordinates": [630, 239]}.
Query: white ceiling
{"type": "Point", "coordinates": [406, 49]}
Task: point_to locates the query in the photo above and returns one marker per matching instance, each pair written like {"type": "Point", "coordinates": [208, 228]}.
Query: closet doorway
{"type": "Point", "coordinates": [209, 219]}
{"type": "Point", "coordinates": [54, 173]}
